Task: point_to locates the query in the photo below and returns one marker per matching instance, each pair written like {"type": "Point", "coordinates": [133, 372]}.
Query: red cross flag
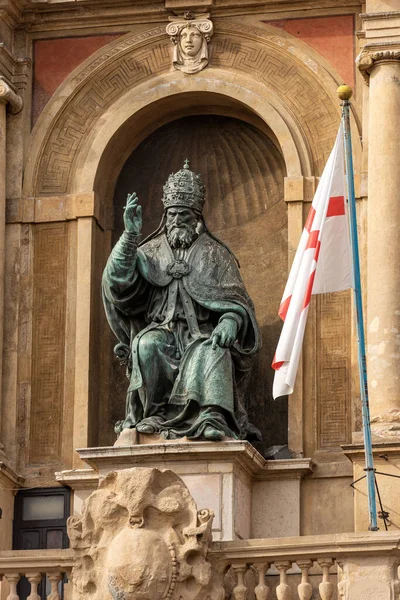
{"type": "Point", "coordinates": [322, 264]}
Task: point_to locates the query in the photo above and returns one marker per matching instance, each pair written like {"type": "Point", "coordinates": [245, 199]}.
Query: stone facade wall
{"type": "Point", "coordinates": [94, 88]}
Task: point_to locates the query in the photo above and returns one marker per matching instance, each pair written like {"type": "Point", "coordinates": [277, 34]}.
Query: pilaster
{"type": "Point", "coordinates": [10, 98]}
{"type": "Point", "coordinates": [298, 192]}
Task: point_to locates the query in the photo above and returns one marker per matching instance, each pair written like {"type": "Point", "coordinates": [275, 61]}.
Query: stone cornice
{"type": "Point", "coordinates": [9, 96]}
{"type": "Point", "coordinates": [11, 11]}
{"type": "Point", "coordinates": [36, 560]}
{"type": "Point", "coordinates": [7, 62]}
{"type": "Point", "coordinates": [53, 208]}
{"type": "Point", "coordinates": [240, 453]}
{"type": "Point", "coordinates": [79, 479]}
{"type": "Point", "coordinates": [380, 16]}
{"type": "Point", "coordinates": [384, 449]}
{"type": "Point", "coordinates": [368, 59]}
{"type": "Point", "coordinates": [9, 479]}
{"type": "Point", "coordinates": [50, 5]}
{"type": "Point", "coordinates": [337, 545]}
{"type": "Point", "coordinates": [47, 15]}
{"type": "Point", "coordinates": [14, 70]}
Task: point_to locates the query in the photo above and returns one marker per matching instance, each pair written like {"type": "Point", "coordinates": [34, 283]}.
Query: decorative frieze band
{"type": "Point", "coordinates": [366, 60]}
{"type": "Point", "coordinates": [49, 209]}
{"type": "Point", "coordinates": [8, 95]}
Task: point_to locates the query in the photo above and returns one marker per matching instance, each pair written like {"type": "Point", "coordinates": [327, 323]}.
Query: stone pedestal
{"type": "Point", "coordinates": [231, 478]}
{"type": "Point", "coordinates": [387, 461]}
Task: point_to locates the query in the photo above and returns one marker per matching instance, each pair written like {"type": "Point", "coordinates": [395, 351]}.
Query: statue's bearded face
{"type": "Point", "coordinates": [191, 41]}
{"type": "Point", "coordinates": [181, 226]}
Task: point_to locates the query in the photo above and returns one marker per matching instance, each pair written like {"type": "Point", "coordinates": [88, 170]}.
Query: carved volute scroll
{"type": "Point", "coordinates": [141, 538]}
{"type": "Point", "coordinates": [9, 95]}
{"type": "Point", "coordinates": [366, 60]}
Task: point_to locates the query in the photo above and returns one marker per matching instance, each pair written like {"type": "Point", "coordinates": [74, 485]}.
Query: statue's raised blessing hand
{"type": "Point", "coordinates": [133, 215]}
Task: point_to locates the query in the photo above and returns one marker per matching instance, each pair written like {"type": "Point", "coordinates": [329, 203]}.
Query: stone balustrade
{"type": "Point", "coordinates": [35, 565]}
{"type": "Point", "coordinates": [328, 567]}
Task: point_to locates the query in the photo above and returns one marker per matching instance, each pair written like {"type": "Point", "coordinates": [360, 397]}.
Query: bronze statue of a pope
{"type": "Point", "coordinates": [184, 321]}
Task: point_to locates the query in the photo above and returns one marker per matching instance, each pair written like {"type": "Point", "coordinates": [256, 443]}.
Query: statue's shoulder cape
{"type": "Point", "coordinates": [213, 279]}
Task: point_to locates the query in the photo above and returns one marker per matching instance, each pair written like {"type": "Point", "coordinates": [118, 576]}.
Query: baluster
{"type": "Point", "coordinates": [240, 591]}
{"type": "Point", "coordinates": [54, 579]}
{"type": "Point", "coordinates": [396, 581]}
{"type": "Point", "coordinates": [341, 589]}
{"type": "Point", "coordinates": [396, 588]}
{"type": "Point", "coordinates": [341, 581]}
{"type": "Point", "coordinates": [220, 569]}
{"type": "Point", "coordinates": [325, 587]}
{"type": "Point", "coordinates": [305, 588]}
{"type": "Point", "coordinates": [283, 591]}
{"type": "Point", "coordinates": [13, 579]}
{"type": "Point", "coordinates": [261, 590]}
{"type": "Point", "coordinates": [34, 579]}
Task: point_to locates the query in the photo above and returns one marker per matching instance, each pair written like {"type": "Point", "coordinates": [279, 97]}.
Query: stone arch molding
{"type": "Point", "coordinates": [273, 74]}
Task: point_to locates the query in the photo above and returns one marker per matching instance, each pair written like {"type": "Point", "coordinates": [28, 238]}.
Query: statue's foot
{"type": "Point", "coordinates": [214, 435]}
{"type": "Point", "coordinates": [145, 428]}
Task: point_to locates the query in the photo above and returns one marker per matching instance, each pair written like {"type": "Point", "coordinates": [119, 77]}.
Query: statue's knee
{"type": "Point", "coordinates": [147, 344]}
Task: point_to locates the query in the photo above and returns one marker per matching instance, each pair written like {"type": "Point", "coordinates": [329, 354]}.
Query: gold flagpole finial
{"type": "Point", "coordinates": [344, 92]}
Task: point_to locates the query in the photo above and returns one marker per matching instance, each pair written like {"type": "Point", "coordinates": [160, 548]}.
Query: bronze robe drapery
{"type": "Point", "coordinates": [163, 305]}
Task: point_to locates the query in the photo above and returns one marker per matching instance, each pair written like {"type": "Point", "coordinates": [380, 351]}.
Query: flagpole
{"type": "Point", "coordinates": [345, 92]}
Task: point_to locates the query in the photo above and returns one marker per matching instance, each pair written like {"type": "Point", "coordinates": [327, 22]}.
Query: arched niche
{"type": "Point", "coordinates": [243, 170]}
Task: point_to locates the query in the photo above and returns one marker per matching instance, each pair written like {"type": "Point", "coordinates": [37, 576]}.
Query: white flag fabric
{"type": "Point", "coordinates": [322, 264]}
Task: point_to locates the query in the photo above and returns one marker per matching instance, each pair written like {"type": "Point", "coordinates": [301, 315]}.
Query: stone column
{"type": "Point", "coordinates": [7, 96]}
{"type": "Point", "coordinates": [382, 68]}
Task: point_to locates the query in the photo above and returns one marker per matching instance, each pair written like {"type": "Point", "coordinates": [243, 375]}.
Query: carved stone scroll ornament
{"type": "Point", "coordinates": [8, 95]}
{"type": "Point", "coordinates": [190, 35]}
{"type": "Point", "coordinates": [366, 60]}
{"type": "Point", "coordinates": [141, 537]}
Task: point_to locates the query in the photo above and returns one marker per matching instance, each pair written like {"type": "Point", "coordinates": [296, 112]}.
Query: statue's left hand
{"type": "Point", "coordinates": [224, 335]}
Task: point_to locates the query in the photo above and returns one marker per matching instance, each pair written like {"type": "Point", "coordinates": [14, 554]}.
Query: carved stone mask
{"type": "Point", "coordinates": [190, 39]}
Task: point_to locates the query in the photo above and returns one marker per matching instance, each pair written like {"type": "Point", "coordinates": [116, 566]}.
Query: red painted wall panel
{"type": "Point", "coordinates": [332, 37]}
{"type": "Point", "coordinates": [55, 59]}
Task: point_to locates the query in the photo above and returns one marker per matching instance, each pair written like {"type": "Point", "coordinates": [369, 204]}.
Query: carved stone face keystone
{"type": "Point", "coordinates": [190, 38]}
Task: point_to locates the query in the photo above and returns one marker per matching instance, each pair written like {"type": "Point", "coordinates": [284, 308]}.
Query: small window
{"type": "Point", "coordinates": [42, 508]}
{"type": "Point", "coordinates": [40, 523]}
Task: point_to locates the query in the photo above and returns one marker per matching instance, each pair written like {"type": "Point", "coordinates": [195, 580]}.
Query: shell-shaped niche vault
{"type": "Point", "coordinates": [242, 169]}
